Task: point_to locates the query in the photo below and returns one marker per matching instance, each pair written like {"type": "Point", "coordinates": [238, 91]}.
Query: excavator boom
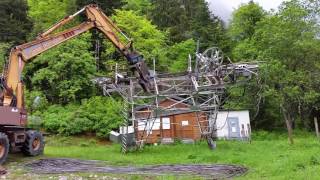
{"type": "Point", "coordinates": [13, 117]}
{"type": "Point", "coordinates": [13, 86]}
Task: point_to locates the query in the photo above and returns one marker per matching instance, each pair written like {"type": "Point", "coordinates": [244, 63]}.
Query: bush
{"type": "Point", "coordinates": [97, 115]}
{"type": "Point", "coordinates": [100, 115]}
{"type": "Point", "coordinates": [36, 101]}
{"type": "Point", "coordinates": [56, 118]}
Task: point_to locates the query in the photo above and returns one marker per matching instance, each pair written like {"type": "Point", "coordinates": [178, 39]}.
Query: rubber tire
{"type": "Point", "coordinates": [27, 148]}
{"type": "Point", "coordinates": [5, 142]}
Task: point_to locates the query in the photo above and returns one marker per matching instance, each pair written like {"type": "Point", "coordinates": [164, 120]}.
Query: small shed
{"type": "Point", "coordinates": [180, 123]}
{"type": "Point", "coordinates": [233, 125]}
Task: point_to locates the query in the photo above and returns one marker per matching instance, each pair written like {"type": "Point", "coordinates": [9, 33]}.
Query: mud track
{"type": "Point", "coordinates": [58, 166]}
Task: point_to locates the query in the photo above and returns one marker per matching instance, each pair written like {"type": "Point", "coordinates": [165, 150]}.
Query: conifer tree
{"type": "Point", "coordinates": [14, 21]}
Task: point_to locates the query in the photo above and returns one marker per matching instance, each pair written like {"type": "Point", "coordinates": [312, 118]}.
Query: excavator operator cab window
{"type": "Point", "coordinates": [135, 58]}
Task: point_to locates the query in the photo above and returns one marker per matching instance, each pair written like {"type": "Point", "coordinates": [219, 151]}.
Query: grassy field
{"type": "Point", "coordinates": [269, 156]}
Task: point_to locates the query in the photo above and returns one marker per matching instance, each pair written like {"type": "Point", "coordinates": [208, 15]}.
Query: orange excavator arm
{"type": "Point", "coordinates": [20, 55]}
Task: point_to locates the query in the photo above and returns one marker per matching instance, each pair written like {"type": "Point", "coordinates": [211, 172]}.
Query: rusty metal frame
{"type": "Point", "coordinates": [203, 87]}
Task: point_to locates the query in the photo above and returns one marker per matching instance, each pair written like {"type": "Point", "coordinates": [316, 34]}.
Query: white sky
{"type": "Point", "coordinates": [224, 8]}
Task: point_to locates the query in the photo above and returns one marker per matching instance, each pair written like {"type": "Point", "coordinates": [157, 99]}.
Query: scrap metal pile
{"type": "Point", "coordinates": [203, 87]}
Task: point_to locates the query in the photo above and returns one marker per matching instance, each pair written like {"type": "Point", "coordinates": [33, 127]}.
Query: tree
{"type": "Point", "coordinates": [46, 13]}
{"type": "Point", "coordinates": [206, 27]}
{"type": "Point", "coordinates": [177, 56]}
{"type": "Point", "coordinates": [185, 19]}
{"type": "Point", "coordinates": [14, 21]}
{"type": "Point", "coordinates": [171, 15]}
{"type": "Point", "coordinates": [4, 51]}
{"type": "Point", "coordinates": [244, 21]}
{"type": "Point", "coordinates": [141, 6]}
{"type": "Point", "coordinates": [148, 40]}
{"type": "Point", "coordinates": [64, 73]}
{"type": "Point", "coordinates": [287, 42]}
{"type": "Point", "coordinates": [108, 6]}
{"type": "Point", "coordinates": [242, 28]}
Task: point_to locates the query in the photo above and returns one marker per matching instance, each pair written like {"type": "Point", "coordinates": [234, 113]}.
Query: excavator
{"type": "Point", "coordinates": [14, 133]}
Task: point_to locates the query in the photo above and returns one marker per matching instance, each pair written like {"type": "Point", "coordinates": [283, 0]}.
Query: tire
{"type": "Point", "coordinates": [4, 147]}
{"type": "Point", "coordinates": [34, 144]}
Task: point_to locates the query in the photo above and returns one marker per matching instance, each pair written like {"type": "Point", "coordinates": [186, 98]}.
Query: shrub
{"type": "Point", "coordinates": [36, 101]}
{"type": "Point", "coordinates": [96, 115]}
{"type": "Point", "coordinates": [103, 113]}
{"type": "Point", "coordinates": [56, 118]}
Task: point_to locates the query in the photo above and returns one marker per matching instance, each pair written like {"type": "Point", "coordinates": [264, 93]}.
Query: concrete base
{"type": "Point", "coordinates": [167, 141]}
{"type": "Point", "coordinates": [187, 141]}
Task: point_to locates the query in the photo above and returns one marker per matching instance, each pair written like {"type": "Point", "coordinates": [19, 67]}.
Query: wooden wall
{"type": "Point", "coordinates": [181, 126]}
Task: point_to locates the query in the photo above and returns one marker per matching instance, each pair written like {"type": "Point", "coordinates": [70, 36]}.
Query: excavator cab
{"type": "Point", "coordinates": [140, 69]}
{"type": "Point", "coordinates": [134, 58]}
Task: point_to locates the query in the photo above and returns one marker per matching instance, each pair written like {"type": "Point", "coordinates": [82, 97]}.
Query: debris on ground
{"type": "Point", "coordinates": [64, 165]}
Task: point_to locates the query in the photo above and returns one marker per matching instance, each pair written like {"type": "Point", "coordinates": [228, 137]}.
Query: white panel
{"type": "Point", "coordinates": [114, 133]}
{"type": "Point", "coordinates": [166, 123]}
{"type": "Point", "coordinates": [141, 125]}
{"type": "Point", "coordinates": [156, 125]}
{"type": "Point", "coordinates": [185, 123]}
{"type": "Point", "coordinates": [222, 126]}
{"type": "Point", "coordinates": [123, 129]}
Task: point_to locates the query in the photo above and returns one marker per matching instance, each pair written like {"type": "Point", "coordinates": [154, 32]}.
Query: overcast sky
{"type": "Point", "coordinates": [224, 8]}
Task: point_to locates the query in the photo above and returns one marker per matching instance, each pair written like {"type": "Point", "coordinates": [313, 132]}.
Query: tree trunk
{"type": "Point", "coordinates": [288, 121]}
{"type": "Point", "coordinates": [290, 131]}
{"type": "Point", "coordinates": [316, 126]}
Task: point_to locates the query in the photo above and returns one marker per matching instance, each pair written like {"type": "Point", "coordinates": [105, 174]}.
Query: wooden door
{"type": "Point", "coordinates": [183, 126]}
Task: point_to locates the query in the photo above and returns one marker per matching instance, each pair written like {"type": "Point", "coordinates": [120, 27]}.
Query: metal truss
{"type": "Point", "coordinates": [202, 88]}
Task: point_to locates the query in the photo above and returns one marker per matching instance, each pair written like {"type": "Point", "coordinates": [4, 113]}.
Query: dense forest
{"type": "Point", "coordinates": [61, 96]}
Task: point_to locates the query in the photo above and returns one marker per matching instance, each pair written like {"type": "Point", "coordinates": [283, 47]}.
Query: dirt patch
{"type": "Point", "coordinates": [62, 165]}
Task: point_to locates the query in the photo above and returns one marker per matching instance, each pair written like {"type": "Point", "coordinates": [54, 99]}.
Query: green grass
{"type": "Point", "coordinates": [265, 158]}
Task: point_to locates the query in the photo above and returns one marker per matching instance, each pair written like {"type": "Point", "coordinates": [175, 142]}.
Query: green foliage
{"type": "Point", "coordinates": [206, 27]}
{"type": "Point", "coordinates": [36, 102]}
{"type": "Point", "coordinates": [140, 6]}
{"type": "Point", "coordinates": [99, 115]}
{"type": "Point", "coordinates": [288, 38]}
{"type": "Point", "coordinates": [245, 50]}
{"type": "Point", "coordinates": [96, 115]}
{"type": "Point", "coordinates": [244, 21]}
{"type": "Point", "coordinates": [287, 43]}
{"type": "Point", "coordinates": [56, 118]}
{"type": "Point", "coordinates": [242, 28]}
{"type": "Point", "coordinates": [108, 6]}
{"type": "Point", "coordinates": [4, 51]}
{"type": "Point", "coordinates": [64, 73]}
{"type": "Point", "coordinates": [14, 22]}
{"type": "Point", "coordinates": [46, 13]}
{"type": "Point", "coordinates": [151, 42]}
{"type": "Point", "coordinates": [148, 40]}
{"type": "Point", "coordinates": [189, 19]}
{"type": "Point", "coordinates": [177, 55]}
{"type": "Point", "coordinates": [171, 15]}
